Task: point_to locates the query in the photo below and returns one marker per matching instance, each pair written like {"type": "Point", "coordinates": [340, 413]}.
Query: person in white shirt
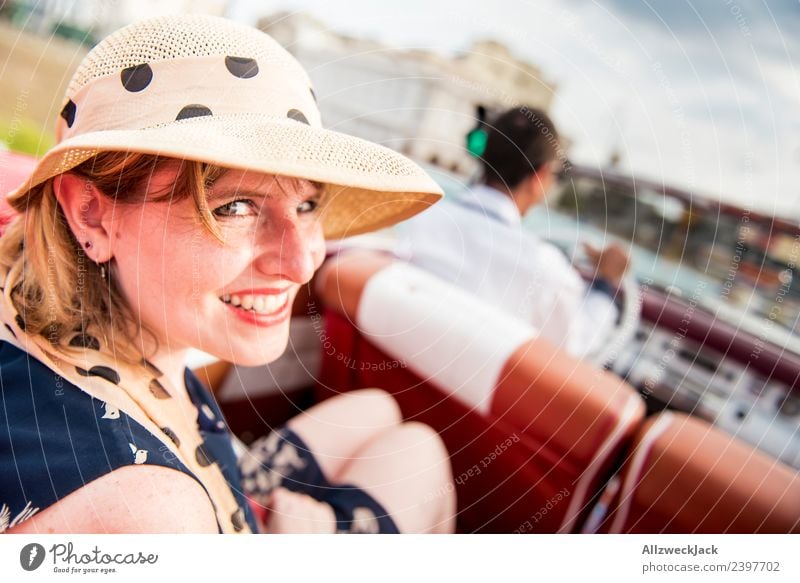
{"type": "Point", "coordinates": [476, 241]}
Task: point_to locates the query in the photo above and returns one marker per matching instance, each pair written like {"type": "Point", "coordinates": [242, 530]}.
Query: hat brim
{"type": "Point", "coordinates": [368, 186]}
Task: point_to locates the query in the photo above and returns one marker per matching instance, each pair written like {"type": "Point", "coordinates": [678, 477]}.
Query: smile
{"type": "Point", "coordinates": [265, 304]}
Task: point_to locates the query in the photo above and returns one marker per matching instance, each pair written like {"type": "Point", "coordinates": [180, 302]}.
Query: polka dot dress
{"type": "Point", "coordinates": [80, 439]}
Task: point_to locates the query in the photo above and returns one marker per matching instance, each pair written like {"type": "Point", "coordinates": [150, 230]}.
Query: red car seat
{"type": "Point", "coordinates": [530, 456]}
{"type": "Point", "coordinates": [684, 475]}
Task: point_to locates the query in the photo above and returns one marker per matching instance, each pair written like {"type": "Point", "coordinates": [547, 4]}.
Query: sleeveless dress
{"type": "Point", "coordinates": [55, 438]}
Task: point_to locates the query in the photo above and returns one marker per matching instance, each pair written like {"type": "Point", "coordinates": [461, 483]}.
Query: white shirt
{"type": "Point", "coordinates": [476, 241]}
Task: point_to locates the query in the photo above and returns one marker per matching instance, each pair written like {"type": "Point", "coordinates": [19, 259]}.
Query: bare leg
{"type": "Point", "coordinates": [357, 439]}
{"type": "Point", "coordinates": [336, 429]}
{"type": "Point", "coordinates": [407, 470]}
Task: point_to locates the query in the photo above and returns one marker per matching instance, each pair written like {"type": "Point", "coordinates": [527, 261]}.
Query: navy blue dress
{"type": "Point", "coordinates": [54, 439]}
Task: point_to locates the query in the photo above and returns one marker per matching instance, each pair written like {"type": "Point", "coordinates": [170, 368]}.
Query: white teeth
{"type": "Point", "coordinates": [258, 304]}
{"type": "Point", "coordinates": [272, 303]}
{"type": "Point", "coordinates": [261, 304]}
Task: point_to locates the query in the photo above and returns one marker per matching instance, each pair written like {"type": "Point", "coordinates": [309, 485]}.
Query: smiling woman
{"type": "Point", "coordinates": [103, 202]}
{"type": "Point", "coordinates": [154, 227]}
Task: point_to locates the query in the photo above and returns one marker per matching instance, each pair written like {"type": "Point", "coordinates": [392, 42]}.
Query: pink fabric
{"type": "Point", "coordinates": [15, 168]}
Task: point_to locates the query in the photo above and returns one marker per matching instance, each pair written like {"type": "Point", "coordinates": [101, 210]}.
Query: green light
{"type": "Point", "coordinates": [476, 142]}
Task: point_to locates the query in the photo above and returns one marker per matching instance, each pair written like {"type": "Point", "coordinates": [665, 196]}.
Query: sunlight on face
{"type": "Point", "coordinates": [231, 299]}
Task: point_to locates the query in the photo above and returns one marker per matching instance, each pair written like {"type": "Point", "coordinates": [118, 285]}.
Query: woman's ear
{"type": "Point", "coordinates": [88, 213]}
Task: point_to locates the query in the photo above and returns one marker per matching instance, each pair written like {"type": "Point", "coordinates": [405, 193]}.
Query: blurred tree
{"type": "Point", "coordinates": [23, 135]}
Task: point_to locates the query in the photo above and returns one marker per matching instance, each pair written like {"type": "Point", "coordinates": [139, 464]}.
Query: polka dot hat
{"type": "Point", "coordinates": [208, 89]}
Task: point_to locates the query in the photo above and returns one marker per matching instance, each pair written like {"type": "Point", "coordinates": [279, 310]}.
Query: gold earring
{"type": "Point", "coordinates": [102, 271]}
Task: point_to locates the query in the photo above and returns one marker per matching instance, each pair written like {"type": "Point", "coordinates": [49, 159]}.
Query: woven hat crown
{"type": "Point", "coordinates": [167, 69]}
{"type": "Point", "coordinates": [177, 37]}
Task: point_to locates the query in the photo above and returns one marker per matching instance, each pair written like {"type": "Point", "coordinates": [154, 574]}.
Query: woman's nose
{"type": "Point", "coordinates": [290, 250]}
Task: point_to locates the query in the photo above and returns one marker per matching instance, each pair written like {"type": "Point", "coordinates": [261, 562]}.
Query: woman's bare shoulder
{"type": "Point", "coordinates": [131, 499]}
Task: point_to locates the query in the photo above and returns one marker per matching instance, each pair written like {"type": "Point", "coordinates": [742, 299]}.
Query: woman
{"type": "Point", "coordinates": [185, 204]}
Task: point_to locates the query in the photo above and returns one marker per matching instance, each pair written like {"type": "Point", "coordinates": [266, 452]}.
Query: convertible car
{"type": "Point", "coordinates": [539, 442]}
{"type": "Point", "coordinates": [685, 422]}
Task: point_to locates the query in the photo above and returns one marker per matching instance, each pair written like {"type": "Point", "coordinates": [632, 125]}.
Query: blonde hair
{"type": "Point", "coordinates": [57, 290]}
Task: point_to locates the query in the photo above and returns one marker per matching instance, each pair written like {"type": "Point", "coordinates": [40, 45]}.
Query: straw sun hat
{"type": "Point", "coordinates": [208, 89]}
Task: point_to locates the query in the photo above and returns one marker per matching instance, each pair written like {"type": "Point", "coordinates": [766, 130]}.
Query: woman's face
{"type": "Point", "coordinates": [231, 299]}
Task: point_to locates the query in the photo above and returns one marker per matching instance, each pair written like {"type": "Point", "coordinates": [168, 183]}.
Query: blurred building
{"type": "Point", "coordinates": [414, 101]}
{"type": "Point", "coordinates": [418, 102]}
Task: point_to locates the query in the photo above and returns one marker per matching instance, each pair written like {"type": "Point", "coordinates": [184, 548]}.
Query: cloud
{"type": "Point", "coordinates": [711, 95]}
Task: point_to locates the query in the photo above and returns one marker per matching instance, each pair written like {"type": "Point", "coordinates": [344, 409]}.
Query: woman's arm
{"type": "Point", "coordinates": [131, 499]}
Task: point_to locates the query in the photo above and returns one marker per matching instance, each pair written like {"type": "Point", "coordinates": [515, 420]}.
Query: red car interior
{"type": "Point", "coordinates": [564, 446]}
{"type": "Point", "coordinates": [577, 426]}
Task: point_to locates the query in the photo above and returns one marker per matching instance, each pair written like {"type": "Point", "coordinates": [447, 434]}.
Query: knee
{"type": "Point", "coordinates": [426, 443]}
{"type": "Point", "coordinates": [433, 475]}
{"type": "Point", "coordinates": [378, 406]}
{"type": "Point", "coordinates": [418, 432]}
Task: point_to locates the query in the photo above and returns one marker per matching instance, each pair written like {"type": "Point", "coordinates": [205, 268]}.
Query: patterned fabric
{"type": "Point", "coordinates": [142, 392]}
{"type": "Point", "coordinates": [55, 438]}
{"type": "Point", "coordinates": [283, 459]}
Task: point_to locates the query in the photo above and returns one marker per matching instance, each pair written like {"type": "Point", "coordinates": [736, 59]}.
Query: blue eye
{"type": "Point", "coordinates": [308, 206]}
{"type": "Point", "coordinates": [236, 208]}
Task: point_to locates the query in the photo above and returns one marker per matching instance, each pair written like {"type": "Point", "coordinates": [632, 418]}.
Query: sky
{"type": "Point", "coordinates": [700, 94]}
